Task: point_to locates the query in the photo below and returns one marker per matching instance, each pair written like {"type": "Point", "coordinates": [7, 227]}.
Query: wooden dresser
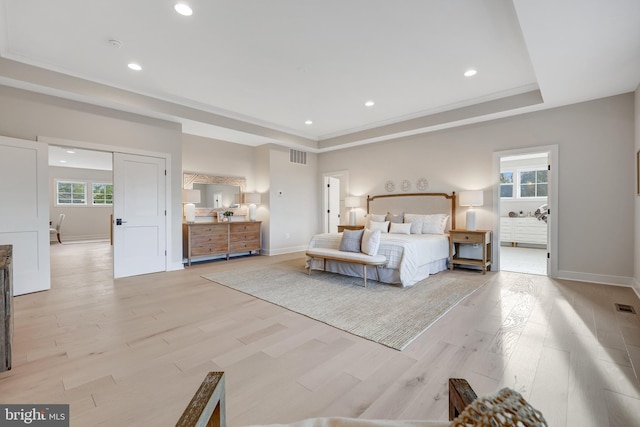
{"type": "Point", "coordinates": [208, 239]}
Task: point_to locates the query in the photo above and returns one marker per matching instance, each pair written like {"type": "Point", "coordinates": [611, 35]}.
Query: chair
{"type": "Point", "coordinates": [57, 228]}
{"type": "Point", "coordinates": [506, 408]}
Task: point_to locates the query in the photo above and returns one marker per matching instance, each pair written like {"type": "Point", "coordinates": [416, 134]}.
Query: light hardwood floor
{"type": "Point", "coordinates": [132, 352]}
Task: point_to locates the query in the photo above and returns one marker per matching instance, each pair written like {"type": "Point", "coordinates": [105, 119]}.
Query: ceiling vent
{"type": "Point", "coordinates": [297, 157]}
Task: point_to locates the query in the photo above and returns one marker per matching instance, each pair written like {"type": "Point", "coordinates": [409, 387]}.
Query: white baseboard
{"type": "Point", "coordinates": [282, 251]}
{"type": "Point", "coordinates": [597, 278]}
{"type": "Point", "coordinates": [636, 287]}
{"type": "Point", "coordinates": [174, 266]}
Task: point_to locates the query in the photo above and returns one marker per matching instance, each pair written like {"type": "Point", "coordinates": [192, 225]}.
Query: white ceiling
{"type": "Point", "coordinates": [71, 157]}
{"type": "Point", "coordinates": [253, 71]}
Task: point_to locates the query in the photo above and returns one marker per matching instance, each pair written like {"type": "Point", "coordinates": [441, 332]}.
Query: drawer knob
{"type": "Point", "coordinates": [466, 237]}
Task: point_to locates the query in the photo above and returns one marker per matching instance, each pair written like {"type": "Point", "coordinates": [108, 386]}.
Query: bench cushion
{"type": "Point", "coordinates": [347, 256]}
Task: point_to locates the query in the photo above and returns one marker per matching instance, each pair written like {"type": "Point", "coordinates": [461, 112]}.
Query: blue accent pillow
{"type": "Point", "coordinates": [351, 240]}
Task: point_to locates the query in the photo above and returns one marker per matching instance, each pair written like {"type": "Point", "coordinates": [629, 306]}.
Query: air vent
{"type": "Point", "coordinates": [298, 157]}
{"type": "Point", "coordinates": [625, 308]}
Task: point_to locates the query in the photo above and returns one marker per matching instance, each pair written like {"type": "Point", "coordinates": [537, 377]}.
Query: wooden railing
{"type": "Point", "coordinates": [207, 407]}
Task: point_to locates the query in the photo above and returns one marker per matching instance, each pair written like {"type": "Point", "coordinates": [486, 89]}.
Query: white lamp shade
{"type": "Point", "coordinates": [252, 198]}
{"type": "Point", "coordinates": [471, 198]}
{"type": "Point", "coordinates": [190, 196]}
{"type": "Point", "coordinates": [352, 202]}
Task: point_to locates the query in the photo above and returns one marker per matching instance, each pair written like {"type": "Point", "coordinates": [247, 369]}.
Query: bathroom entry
{"type": "Point", "coordinates": [524, 219]}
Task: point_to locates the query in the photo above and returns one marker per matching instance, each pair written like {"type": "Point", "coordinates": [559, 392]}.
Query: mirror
{"type": "Point", "coordinates": [217, 193]}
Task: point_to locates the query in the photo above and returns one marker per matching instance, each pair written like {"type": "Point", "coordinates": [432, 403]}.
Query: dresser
{"type": "Point", "coordinates": [528, 230]}
{"type": "Point", "coordinates": [210, 239]}
{"type": "Point", "coordinates": [6, 306]}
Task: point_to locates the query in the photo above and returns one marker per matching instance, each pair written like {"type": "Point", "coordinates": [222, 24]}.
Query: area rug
{"type": "Point", "coordinates": [387, 314]}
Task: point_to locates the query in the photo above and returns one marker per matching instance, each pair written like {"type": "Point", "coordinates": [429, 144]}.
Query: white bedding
{"type": "Point", "coordinates": [410, 257]}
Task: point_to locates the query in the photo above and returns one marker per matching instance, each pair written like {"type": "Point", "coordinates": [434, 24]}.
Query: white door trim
{"type": "Point", "coordinates": [552, 240]}
{"type": "Point", "coordinates": [127, 150]}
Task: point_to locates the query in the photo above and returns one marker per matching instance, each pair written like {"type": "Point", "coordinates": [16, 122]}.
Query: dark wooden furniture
{"type": "Point", "coordinates": [343, 227]}
{"type": "Point", "coordinates": [6, 306]}
{"type": "Point", "coordinates": [208, 239]}
{"type": "Point", "coordinates": [207, 407]}
{"type": "Point", "coordinates": [475, 237]}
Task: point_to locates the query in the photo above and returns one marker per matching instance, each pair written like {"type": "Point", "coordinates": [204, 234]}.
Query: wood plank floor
{"type": "Point", "coordinates": [132, 352]}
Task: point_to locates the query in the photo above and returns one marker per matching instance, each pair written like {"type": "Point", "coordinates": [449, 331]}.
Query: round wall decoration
{"type": "Point", "coordinates": [405, 185]}
{"type": "Point", "coordinates": [390, 186]}
{"type": "Point", "coordinates": [422, 184]}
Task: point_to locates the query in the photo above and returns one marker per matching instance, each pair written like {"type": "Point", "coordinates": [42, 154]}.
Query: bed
{"type": "Point", "coordinates": [410, 257]}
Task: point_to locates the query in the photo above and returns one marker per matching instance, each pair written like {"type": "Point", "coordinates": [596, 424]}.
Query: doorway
{"type": "Point", "coordinates": [139, 194]}
{"type": "Point", "coordinates": [525, 198]}
{"type": "Point", "coordinates": [334, 186]}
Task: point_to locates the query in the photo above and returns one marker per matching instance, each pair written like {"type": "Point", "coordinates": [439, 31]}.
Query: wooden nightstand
{"type": "Point", "coordinates": [343, 227]}
{"type": "Point", "coordinates": [479, 237]}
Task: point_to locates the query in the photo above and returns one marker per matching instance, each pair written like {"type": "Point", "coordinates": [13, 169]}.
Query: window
{"type": "Point", "coordinates": [506, 185]}
{"type": "Point", "coordinates": [71, 193]}
{"type": "Point", "coordinates": [533, 183]}
{"type": "Point", "coordinates": [102, 194]}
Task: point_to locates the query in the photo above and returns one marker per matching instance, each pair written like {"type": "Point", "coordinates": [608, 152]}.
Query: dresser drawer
{"type": "Point", "coordinates": [247, 245]}
{"type": "Point", "coordinates": [461, 237]}
{"type": "Point", "coordinates": [253, 227]}
{"type": "Point", "coordinates": [208, 230]}
{"type": "Point", "coordinates": [213, 249]}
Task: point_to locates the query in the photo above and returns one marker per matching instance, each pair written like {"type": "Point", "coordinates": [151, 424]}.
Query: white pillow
{"type": "Point", "coordinates": [370, 242]}
{"type": "Point", "coordinates": [383, 226]}
{"type": "Point", "coordinates": [434, 224]}
{"type": "Point", "coordinates": [375, 217]}
{"type": "Point", "coordinates": [416, 222]}
{"type": "Point", "coordinates": [397, 228]}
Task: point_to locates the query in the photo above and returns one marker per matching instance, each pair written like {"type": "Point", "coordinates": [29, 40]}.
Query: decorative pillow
{"type": "Point", "coordinates": [400, 228]}
{"type": "Point", "coordinates": [416, 222]}
{"type": "Point", "coordinates": [383, 226]}
{"type": "Point", "coordinates": [375, 217]}
{"type": "Point", "coordinates": [370, 242]}
{"type": "Point", "coordinates": [351, 240]}
{"type": "Point", "coordinates": [434, 224]}
{"type": "Point", "coordinates": [398, 219]}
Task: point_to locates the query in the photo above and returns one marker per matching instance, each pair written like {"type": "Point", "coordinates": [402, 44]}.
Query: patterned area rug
{"type": "Point", "coordinates": [387, 314]}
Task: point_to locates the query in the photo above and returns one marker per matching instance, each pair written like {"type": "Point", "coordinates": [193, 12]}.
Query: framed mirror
{"type": "Point", "coordinates": [217, 193]}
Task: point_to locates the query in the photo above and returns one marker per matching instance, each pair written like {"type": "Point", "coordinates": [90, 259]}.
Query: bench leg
{"type": "Point", "coordinates": [310, 265]}
{"type": "Point", "coordinates": [364, 270]}
{"type": "Point", "coordinates": [378, 273]}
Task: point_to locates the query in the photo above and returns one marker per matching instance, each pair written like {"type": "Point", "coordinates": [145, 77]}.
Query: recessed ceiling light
{"type": "Point", "coordinates": [71, 152]}
{"type": "Point", "coordinates": [470, 73]}
{"type": "Point", "coordinates": [308, 122]}
{"type": "Point", "coordinates": [62, 161]}
{"type": "Point", "coordinates": [369, 104]}
{"type": "Point", "coordinates": [183, 9]}
{"type": "Point", "coordinates": [134, 66]}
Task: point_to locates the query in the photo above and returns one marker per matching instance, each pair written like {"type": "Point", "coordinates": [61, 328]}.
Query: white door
{"type": "Point", "coordinates": [24, 212]}
{"type": "Point", "coordinates": [139, 215]}
{"type": "Point", "coordinates": [332, 202]}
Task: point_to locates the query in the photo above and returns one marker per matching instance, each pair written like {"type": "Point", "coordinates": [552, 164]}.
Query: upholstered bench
{"type": "Point", "coordinates": [352, 257]}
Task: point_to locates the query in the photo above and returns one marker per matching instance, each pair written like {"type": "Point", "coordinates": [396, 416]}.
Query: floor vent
{"type": "Point", "coordinates": [298, 157]}
{"type": "Point", "coordinates": [625, 308]}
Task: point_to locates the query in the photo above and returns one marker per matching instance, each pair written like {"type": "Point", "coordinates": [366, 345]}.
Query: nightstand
{"type": "Point", "coordinates": [343, 227]}
{"type": "Point", "coordinates": [476, 237]}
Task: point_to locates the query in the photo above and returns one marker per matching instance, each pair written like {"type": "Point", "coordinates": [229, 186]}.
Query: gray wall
{"type": "Point", "coordinates": [636, 198]}
{"type": "Point", "coordinates": [81, 222]}
{"type": "Point", "coordinates": [27, 115]}
{"type": "Point", "coordinates": [596, 160]}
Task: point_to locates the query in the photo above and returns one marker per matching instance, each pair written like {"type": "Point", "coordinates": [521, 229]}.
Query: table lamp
{"type": "Point", "coordinates": [471, 199]}
{"type": "Point", "coordinates": [189, 197]}
{"type": "Point", "coordinates": [352, 202]}
{"type": "Point", "coordinates": [252, 199]}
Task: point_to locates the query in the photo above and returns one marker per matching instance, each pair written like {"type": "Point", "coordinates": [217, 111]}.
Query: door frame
{"type": "Point", "coordinates": [343, 176]}
{"type": "Point", "coordinates": [553, 219]}
{"type": "Point", "coordinates": [127, 150]}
